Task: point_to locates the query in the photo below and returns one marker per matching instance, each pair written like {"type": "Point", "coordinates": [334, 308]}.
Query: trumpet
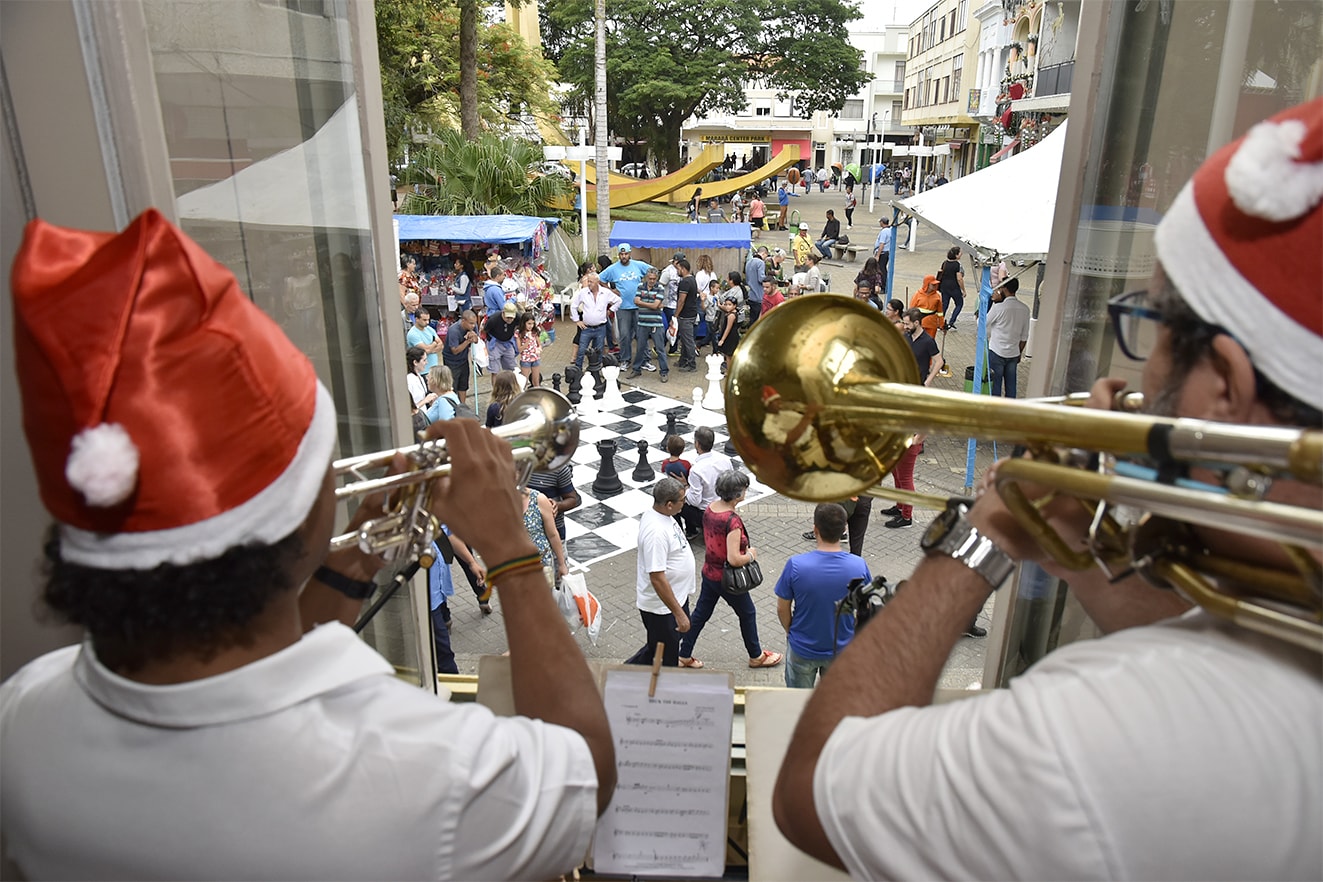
{"type": "Point", "coordinates": [823, 395]}
{"type": "Point", "coordinates": [540, 427]}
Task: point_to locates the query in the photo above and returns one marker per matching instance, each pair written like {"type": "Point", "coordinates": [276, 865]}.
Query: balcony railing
{"type": "Point", "coordinates": [1054, 79]}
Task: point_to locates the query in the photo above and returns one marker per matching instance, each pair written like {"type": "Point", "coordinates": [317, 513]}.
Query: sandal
{"type": "Point", "coordinates": [690, 663]}
{"type": "Point", "coordinates": [766, 660]}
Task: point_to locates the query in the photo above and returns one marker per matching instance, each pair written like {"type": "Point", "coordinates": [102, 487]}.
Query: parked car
{"type": "Point", "coordinates": [551, 167]}
{"type": "Point", "coordinates": [635, 169]}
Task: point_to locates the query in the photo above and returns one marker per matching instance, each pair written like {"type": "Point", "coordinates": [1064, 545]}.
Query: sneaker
{"type": "Point", "coordinates": [666, 378]}
{"type": "Point", "coordinates": [810, 536]}
{"type": "Point", "coordinates": [633, 374]}
{"type": "Point", "coordinates": [649, 367]}
{"type": "Point", "coordinates": [951, 327]}
{"type": "Point", "coordinates": [899, 521]}
{"type": "Point", "coordinates": [976, 631]}
{"type": "Point", "coordinates": [892, 512]}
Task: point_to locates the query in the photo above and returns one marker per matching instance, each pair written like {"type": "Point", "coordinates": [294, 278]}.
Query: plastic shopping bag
{"type": "Point", "coordinates": [590, 611]}
{"type": "Point", "coordinates": [480, 353]}
{"type": "Point", "coordinates": [566, 603]}
{"type": "Point", "coordinates": [672, 332]}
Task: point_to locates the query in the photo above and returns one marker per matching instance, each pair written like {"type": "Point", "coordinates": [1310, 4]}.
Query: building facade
{"type": "Point", "coordinates": [937, 89]}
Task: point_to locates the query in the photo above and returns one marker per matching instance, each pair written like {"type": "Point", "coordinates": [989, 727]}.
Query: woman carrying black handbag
{"type": "Point", "coordinates": [726, 543]}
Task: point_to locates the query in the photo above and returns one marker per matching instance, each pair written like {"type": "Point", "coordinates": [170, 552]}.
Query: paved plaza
{"type": "Point", "coordinates": [776, 524]}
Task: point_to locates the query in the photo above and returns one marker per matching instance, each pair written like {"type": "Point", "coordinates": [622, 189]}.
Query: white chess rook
{"type": "Point", "coordinates": [715, 399]}
{"type": "Point", "coordinates": [613, 397]}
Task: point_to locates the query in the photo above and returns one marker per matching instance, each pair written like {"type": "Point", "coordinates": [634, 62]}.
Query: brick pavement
{"type": "Point", "coordinates": [776, 524]}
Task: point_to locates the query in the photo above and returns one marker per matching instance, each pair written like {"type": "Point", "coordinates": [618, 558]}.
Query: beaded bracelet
{"type": "Point", "coordinates": [519, 563]}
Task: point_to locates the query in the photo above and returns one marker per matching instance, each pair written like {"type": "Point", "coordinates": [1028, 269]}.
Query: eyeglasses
{"type": "Point", "coordinates": [1129, 313]}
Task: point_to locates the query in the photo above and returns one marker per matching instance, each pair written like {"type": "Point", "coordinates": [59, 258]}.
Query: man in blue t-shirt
{"type": "Point", "coordinates": [493, 295]}
{"type": "Point", "coordinates": [806, 596]}
{"type": "Point", "coordinates": [423, 335]}
{"type": "Point", "coordinates": [623, 277]}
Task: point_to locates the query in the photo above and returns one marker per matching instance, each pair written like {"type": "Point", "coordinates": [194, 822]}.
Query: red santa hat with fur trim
{"type": "Point", "coordinates": [186, 424]}
{"type": "Point", "coordinates": [1244, 240]}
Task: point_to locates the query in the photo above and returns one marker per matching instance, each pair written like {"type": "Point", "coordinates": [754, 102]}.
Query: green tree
{"type": "Point", "coordinates": [489, 174]}
{"type": "Point", "coordinates": [419, 45]}
{"type": "Point", "coordinates": [668, 60]}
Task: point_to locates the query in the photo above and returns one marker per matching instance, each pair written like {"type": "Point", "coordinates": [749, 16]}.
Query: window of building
{"type": "Point", "coordinates": [946, 89]}
{"type": "Point", "coordinates": [898, 78]}
{"type": "Point", "coordinates": [942, 35]}
{"type": "Point", "coordinates": [782, 108]}
{"type": "Point", "coordinates": [853, 109]}
{"type": "Point", "coordinates": [962, 17]}
{"type": "Point", "coordinates": [957, 69]}
{"type": "Point", "coordinates": [953, 22]}
{"type": "Point", "coordinates": [762, 110]}
{"type": "Point", "coordinates": [895, 113]}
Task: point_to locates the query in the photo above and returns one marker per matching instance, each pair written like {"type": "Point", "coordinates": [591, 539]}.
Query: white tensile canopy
{"type": "Point", "coordinates": [1002, 212]}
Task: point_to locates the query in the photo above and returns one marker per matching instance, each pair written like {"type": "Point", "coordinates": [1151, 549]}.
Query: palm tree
{"type": "Point", "coordinates": [600, 137]}
{"type": "Point", "coordinates": [486, 175]}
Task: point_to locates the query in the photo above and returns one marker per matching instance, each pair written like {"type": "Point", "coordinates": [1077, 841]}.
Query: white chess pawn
{"type": "Point", "coordinates": [715, 399]}
{"type": "Point", "coordinates": [613, 397]}
{"type": "Point", "coordinates": [587, 405]}
{"type": "Point", "coordinates": [700, 416]}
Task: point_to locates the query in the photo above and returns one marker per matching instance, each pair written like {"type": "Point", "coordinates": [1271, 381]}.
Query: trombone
{"type": "Point", "coordinates": [823, 395]}
{"type": "Point", "coordinates": [540, 427]}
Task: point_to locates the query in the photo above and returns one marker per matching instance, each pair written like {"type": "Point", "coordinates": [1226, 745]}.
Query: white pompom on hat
{"type": "Point", "coordinates": [188, 425]}
{"type": "Point", "coordinates": [1243, 242]}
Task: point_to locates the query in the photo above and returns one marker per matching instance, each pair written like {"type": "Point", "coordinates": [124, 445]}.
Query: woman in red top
{"type": "Point", "coordinates": [726, 541]}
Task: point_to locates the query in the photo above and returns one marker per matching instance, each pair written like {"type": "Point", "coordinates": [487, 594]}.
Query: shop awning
{"type": "Point", "coordinates": [499, 229]}
{"type": "Point", "coordinates": [643, 234]}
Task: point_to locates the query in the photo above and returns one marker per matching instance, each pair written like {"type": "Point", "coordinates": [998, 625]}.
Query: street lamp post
{"type": "Point", "coordinates": [872, 183]}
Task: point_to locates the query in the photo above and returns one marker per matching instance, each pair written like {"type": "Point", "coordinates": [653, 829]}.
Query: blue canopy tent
{"type": "Point", "coordinates": [680, 237]}
{"type": "Point", "coordinates": [499, 229]}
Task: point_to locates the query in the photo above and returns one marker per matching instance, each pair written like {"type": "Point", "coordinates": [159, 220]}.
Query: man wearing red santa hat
{"type": "Point", "coordinates": [1181, 745]}
{"type": "Point", "coordinates": [219, 720]}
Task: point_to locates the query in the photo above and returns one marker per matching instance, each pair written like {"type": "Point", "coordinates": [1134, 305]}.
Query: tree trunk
{"type": "Point", "coordinates": [600, 135]}
{"type": "Point", "coordinates": [468, 68]}
{"type": "Point", "coordinates": [670, 140]}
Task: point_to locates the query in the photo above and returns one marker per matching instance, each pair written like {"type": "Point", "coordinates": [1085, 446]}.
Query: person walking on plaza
{"type": "Point", "coordinates": [493, 294]}
{"type": "Point", "coordinates": [589, 310]}
{"type": "Point", "coordinates": [757, 215]}
{"type": "Point", "coordinates": [886, 234]}
{"type": "Point", "coordinates": [665, 576]}
{"type": "Point", "coordinates": [929, 362]}
{"type": "Point", "coordinates": [800, 247]}
{"type": "Point", "coordinates": [851, 202]}
{"type": "Point", "coordinates": [686, 315]}
{"type": "Point", "coordinates": [460, 338]}
{"type": "Point", "coordinates": [726, 541]}
{"type": "Point", "coordinates": [1008, 332]}
{"type": "Point", "coordinates": [928, 301]}
{"type": "Point", "coordinates": [708, 464]}
{"type": "Point", "coordinates": [623, 277]}
{"type": "Point", "coordinates": [951, 282]}
{"type": "Point", "coordinates": [651, 326]}
{"type": "Point", "coordinates": [783, 202]}
{"type": "Point", "coordinates": [502, 347]}
{"type": "Point", "coordinates": [807, 592]}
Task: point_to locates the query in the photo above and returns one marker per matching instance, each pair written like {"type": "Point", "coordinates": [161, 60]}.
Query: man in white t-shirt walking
{"type": "Point", "coordinates": [666, 575]}
{"type": "Point", "coordinates": [1008, 331]}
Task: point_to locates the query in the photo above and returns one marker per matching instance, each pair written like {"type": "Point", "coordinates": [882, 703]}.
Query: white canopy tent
{"type": "Point", "coordinates": [1002, 212]}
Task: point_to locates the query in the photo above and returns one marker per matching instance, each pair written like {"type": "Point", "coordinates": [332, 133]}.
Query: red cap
{"type": "Point", "coordinates": [178, 422]}
{"type": "Point", "coordinates": [1243, 242]}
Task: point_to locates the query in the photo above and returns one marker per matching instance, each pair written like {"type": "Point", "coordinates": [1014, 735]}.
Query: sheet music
{"type": "Point", "coordinates": [668, 814]}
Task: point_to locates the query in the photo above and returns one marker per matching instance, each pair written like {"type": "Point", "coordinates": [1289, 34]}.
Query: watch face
{"type": "Point", "coordinates": [940, 526]}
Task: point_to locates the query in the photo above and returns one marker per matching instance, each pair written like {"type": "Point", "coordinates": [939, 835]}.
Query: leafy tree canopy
{"type": "Point", "coordinates": [418, 44]}
{"type": "Point", "coordinates": [670, 59]}
{"type": "Point", "coordinates": [490, 175]}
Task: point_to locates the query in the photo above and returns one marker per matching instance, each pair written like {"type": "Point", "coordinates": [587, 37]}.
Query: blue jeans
{"type": "Point", "coordinates": [627, 321]}
{"type": "Point", "coordinates": [708, 596]}
{"type": "Point", "coordinates": [803, 673]}
{"type": "Point", "coordinates": [1001, 369]}
{"type": "Point", "coordinates": [503, 354]}
{"type": "Point", "coordinates": [445, 657]}
{"type": "Point", "coordinates": [947, 299]}
{"type": "Point", "coordinates": [658, 337]}
{"type": "Point", "coordinates": [824, 245]}
{"type": "Point", "coordinates": [590, 337]}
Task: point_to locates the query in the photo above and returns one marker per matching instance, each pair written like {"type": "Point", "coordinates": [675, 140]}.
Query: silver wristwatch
{"type": "Point", "coordinates": [952, 535]}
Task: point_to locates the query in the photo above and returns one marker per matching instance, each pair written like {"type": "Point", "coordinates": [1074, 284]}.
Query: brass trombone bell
{"type": "Point", "coordinates": [540, 428]}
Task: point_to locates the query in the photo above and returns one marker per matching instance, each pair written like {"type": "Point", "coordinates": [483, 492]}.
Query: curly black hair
{"type": "Point", "coordinates": [139, 616]}
{"type": "Point", "coordinates": [1192, 341]}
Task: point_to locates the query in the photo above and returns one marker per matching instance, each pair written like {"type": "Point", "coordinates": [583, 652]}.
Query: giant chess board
{"type": "Point", "coordinates": [603, 527]}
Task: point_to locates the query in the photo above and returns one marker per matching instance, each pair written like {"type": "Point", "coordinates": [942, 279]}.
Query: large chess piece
{"type": "Point", "coordinates": [643, 471]}
{"type": "Point", "coordinates": [607, 483]}
{"type": "Point", "coordinates": [699, 416]}
{"type": "Point", "coordinates": [595, 364]}
{"type": "Point", "coordinates": [555, 382]}
{"type": "Point", "coordinates": [587, 405]}
{"type": "Point", "coordinates": [574, 379]}
{"type": "Point", "coordinates": [668, 432]}
{"type": "Point", "coordinates": [611, 398]}
{"type": "Point", "coordinates": [715, 399]}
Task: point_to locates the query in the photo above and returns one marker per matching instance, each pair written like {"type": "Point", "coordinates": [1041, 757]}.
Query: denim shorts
{"type": "Point", "coordinates": [530, 364]}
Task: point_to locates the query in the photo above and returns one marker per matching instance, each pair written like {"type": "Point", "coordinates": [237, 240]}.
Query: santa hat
{"type": "Point", "coordinates": [1243, 242]}
{"type": "Point", "coordinates": [770, 394]}
{"type": "Point", "coordinates": [183, 422]}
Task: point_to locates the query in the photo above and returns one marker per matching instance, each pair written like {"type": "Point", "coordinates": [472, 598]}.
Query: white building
{"type": "Point", "coordinates": [767, 125]}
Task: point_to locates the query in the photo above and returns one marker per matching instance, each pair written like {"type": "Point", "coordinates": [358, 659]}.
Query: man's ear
{"type": "Point", "coordinates": [1238, 394]}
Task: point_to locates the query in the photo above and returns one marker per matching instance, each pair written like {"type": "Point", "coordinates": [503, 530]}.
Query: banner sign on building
{"type": "Point", "coordinates": [975, 99]}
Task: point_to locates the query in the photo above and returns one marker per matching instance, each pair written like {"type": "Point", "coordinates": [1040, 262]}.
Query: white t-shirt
{"type": "Point", "coordinates": [417, 387]}
{"type": "Point", "coordinates": [1008, 325]}
{"type": "Point", "coordinates": [1186, 750]}
{"type": "Point", "coordinates": [663, 548]}
{"type": "Point", "coordinates": [313, 763]}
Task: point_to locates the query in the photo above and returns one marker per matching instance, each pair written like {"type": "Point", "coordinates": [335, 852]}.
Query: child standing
{"type": "Point", "coordinates": [530, 349]}
{"type": "Point", "coordinates": [675, 467]}
{"type": "Point", "coordinates": [728, 334]}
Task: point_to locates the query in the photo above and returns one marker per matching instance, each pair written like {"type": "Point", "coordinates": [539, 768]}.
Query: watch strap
{"type": "Point", "coordinates": [351, 588]}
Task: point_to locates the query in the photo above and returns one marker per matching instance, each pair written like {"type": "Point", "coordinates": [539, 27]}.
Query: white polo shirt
{"type": "Point", "coordinates": [313, 763]}
{"type": "Point", "coordinates": [1191, 749]}
{"type": "Point", "coordinates": [703, 478]}
{"type": "Point", "coordinates": [663, 549]}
